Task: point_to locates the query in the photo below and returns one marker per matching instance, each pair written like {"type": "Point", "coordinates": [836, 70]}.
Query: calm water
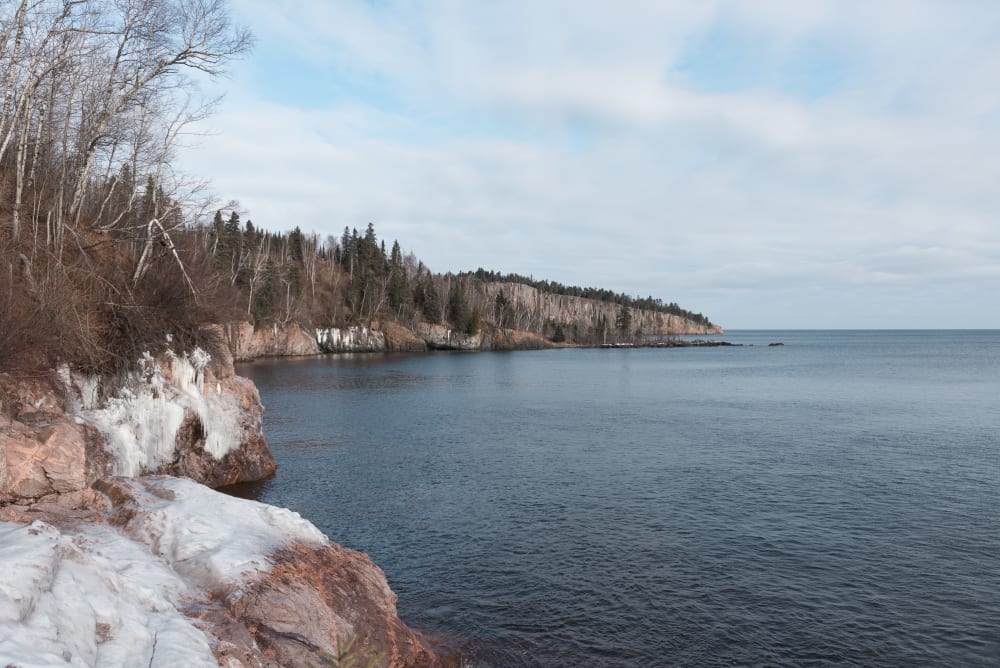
{"type": "Point", "coordinates": [832, 501]}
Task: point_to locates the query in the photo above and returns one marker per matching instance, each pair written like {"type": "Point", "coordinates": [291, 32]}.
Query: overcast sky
{"type": "Point", "coordinates": [771, 164]}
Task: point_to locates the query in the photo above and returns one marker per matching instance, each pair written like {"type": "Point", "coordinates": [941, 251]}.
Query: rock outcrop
{"type": "Point", "coordinates": [61, 432]}
{"type": "Point", "coordinates": [529, 313]}
{"type": "Point", "coordinates": [105, 564]}
{"type": "Point", "coordinates": [153, 579]}
{"type": "Point", "coordinates": [440, 337]}
{"type": "Point", "coordinates": [400, 339]}
{"type": "Point", "coordinates": [45, 452]}
{"type": "Point", "coordinates": [291, 340]}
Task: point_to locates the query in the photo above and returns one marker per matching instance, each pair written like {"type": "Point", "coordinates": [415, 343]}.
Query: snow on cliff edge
{"type": "Point", "coordinates": [92, 594]}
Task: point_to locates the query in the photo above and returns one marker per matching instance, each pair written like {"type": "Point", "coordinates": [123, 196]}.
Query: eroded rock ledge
{"type": "Point", "coordinates": [109, 562]}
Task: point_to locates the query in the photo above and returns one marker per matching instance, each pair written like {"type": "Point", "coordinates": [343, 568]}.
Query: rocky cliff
{"type": "Point", "coordinates": [529, 317]}
{"type": "Point", "coordinates": [108, 563]}
{"type": "Point", "coordinates": [531, 309]}
{"type": "Point", "coordinates": [291, 340]}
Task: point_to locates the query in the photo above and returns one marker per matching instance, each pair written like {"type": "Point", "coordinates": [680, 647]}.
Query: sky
{"type": "Point", "coordinates": [771, 164]}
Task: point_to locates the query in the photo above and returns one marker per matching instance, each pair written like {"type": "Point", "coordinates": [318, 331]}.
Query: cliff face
{"type": "Point", "coordinates": [522, 326]}
{"type": "Point", "coordinates": [290, 340]}
{"type": "Point", "coordinates": [533, 308]}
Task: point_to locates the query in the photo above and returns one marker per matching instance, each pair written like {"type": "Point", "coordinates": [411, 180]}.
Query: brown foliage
{"type": "Point", "coordinates": [83, 308]}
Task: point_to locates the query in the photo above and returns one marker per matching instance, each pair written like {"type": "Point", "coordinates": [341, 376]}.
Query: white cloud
{"type": "Point", "coordinates": [553, 139]}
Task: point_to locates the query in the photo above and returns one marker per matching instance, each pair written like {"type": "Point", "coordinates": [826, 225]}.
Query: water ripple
{"type": "Point", "coordinates": [833, 502]}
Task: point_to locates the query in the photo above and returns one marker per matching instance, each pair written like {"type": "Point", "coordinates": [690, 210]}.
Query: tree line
{"type": "Point", "coordinates": [357, 279]}
{"type": "Point", "coordinates": [96, 97]}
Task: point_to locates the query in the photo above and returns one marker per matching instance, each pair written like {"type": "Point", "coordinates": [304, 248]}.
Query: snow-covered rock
{"type": "Point", "coordinates": [175, 414]}
{"type": "Point", "coordinates": [181, 575]}
{"type": "Point", "coordinates": [92, 597]}
{"type": "Point", "coordinates": [99, 570]}
{"type": "Point", "coordinates": [142, 420]}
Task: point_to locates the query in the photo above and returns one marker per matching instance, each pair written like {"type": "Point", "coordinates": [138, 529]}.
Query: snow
{"type": "Point", "coordinates": [216, 547]}
{"type": "Point", "coordinates": [140, 422]}
{"type": "Point", "coordinates": [91, 598]}
{"type": "Point", "coordinates": [92, 594]}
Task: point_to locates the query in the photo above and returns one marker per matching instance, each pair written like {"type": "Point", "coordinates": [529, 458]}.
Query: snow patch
{"type": "Point", "coordinates": [93, 595]}
{"type": "Point", "coordinates": [90, 597]}
{"type": "Point", "coordinates": [214, 550]}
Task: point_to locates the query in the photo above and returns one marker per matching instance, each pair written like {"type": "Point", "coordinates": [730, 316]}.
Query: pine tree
{"type": "Point", "coordinates": [232, 227]}
{"type": "Point", "coordinates": [458, 308]}
{"type": "Point", "coordinates": [474, 322]}
{"type": "Point", "coordinates": [295, 245]}
{"type": "Point", "coordinates": [624, 319]}
{"type": "Point", "coordinates": [400, 295]}
{"type": "Point", "coordinates": [430, 303]}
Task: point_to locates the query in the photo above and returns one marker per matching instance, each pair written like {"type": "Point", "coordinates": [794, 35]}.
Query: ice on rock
{"type": "Point", "coordinates": [140, 422]}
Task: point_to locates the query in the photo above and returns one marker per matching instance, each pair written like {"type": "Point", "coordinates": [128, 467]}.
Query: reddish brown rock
{"type": "Point", "coordinates": [300, 611]}
{"type": "Point", "coordinates": [44, 451]}
{"type": "Point", "coordinates": [513, 339]}
{"type": "Point", "coordinates": [247, 344]}
{"type": "Point", "coordinates": [314, 598]}
{"type": "Point", "coordinates": [252, 460]}
{"type": "Point", "coordinates": [401, 339]}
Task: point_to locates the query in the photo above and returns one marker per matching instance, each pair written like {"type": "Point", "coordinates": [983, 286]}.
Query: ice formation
{"type": "Point", "coordinates": [141, 421]}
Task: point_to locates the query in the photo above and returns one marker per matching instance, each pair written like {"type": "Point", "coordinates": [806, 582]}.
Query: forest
{"type": "Point", "coordinates": [106, 248]}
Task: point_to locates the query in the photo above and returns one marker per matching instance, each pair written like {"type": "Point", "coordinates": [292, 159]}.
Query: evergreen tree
{"type": "Point", "coordinates": [295, 244]}
{"type": "Point", "coordinates": [474, 323]}
{"type": "Point", "coordinates": [268, 296]}
{"type": "Point", "coordinates": [222, 248]}
{"type": "Point", "coordinates": [400, 295]}
{"type": "Point", "coordinates": [345, 247]}
{"type": "Point", "coordinates": [624, 319]}
{"type": "Point", "coordinates": [232, 227]}
{"type": "Point", "coordinates": [430, 302]}
{"type": "Point", "coordinates": [458, 308]}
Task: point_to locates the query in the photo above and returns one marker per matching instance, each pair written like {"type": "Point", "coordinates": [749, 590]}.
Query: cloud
{"type": "Point", "coordinates": [701, 152]}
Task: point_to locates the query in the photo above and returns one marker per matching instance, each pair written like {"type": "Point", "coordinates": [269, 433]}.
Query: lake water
{"type": "Point", "coordinates": [835, 500]}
